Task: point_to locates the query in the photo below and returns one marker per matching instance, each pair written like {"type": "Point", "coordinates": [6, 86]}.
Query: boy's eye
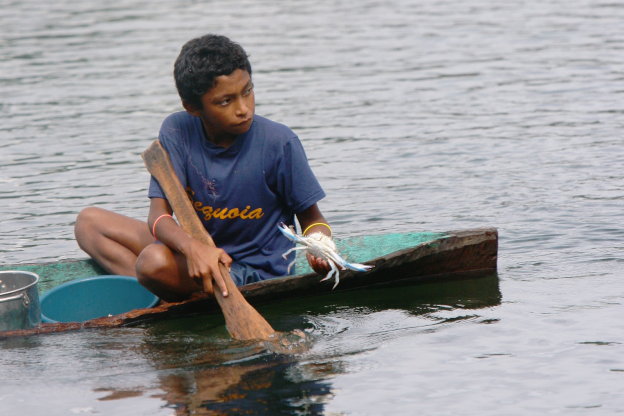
{"type": "Point", "coordinates": [224, 102]}
{"type": "Point", "coordinates": [248, 90]}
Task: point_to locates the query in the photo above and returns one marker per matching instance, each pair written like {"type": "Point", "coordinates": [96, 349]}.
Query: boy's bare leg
{"type": "Point", "coordinates": [125, 246]}
{"type": "Point", "coordinates": [165, 273]}
{"type": "Point", "coordinates": [113, 240]}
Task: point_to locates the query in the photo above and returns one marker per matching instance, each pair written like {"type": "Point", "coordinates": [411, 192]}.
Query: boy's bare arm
{"type": "Point", "coordinates": [202, 260]}
{"type": "Point", "coordinates": [311, 221]}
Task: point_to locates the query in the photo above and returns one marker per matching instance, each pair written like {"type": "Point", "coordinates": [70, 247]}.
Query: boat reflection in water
{"type": "Point", "coordinates": [203, 372]}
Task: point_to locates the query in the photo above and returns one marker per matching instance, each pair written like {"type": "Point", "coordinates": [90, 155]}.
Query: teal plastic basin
{"type": "Point", "coordinates": [94, 297]}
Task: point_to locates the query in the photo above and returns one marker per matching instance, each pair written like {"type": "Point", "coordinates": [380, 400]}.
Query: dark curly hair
{"type": "Point", "coordinates": [203, 59]}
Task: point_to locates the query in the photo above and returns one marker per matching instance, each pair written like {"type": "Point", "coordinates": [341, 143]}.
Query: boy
{"type": "Point", "coordinates": [245, 174]}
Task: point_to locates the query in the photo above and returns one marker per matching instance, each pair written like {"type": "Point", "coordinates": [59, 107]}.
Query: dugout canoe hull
{"type": "Point", "coordinates": [409, 257]}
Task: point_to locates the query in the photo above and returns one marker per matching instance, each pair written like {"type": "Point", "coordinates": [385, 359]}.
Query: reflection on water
{"type": "Point", "coordinates": [201, 371]}
{"type": "Point", "coordinates": [259, 389]}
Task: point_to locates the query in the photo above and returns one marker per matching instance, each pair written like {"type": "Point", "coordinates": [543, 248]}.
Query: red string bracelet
{"type": "Point", "coordinates": [156, 222]}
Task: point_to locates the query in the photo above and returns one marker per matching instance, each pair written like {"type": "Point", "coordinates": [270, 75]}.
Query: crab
{"type": "Point", "coordinates": [322, 246]}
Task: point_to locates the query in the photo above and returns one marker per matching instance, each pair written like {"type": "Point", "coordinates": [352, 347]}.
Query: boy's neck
{"type": "Point", "coordinates": [223, 140]}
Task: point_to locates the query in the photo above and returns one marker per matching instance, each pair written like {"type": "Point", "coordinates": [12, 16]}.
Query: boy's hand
{"type": "Point", "coordinates": [203, 264]}
{"type": "Point", "coordinates": [318, 264]}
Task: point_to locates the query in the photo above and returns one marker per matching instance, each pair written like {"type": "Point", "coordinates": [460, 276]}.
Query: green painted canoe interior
{"type": "Point", "coordinates": [53, 274]}
{"type": "Point", "coordinates": [354, 249]}
{"type": "Point", "coordinates": [363, 248]}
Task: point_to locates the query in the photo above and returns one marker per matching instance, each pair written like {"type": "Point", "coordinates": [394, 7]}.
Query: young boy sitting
{"type": "Point", "coordinates": [244, 173]}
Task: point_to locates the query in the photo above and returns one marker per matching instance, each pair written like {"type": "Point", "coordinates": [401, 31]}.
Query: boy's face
{"type": "Point", "coordinates": [228, 107]}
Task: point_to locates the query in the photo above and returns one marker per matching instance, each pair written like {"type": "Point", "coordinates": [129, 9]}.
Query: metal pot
{"type": "Point", "coordinates": [19, 300]}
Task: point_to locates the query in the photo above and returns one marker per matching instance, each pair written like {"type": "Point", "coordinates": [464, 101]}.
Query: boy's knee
{"type": "Point", "coordinates": [87, 218]}
{"type": "Point", "coordinates": [156, 270]}
{"type": "Point", "coordinates": [85, 228]}
{"type": "Point", "coordinates": [152, 262]}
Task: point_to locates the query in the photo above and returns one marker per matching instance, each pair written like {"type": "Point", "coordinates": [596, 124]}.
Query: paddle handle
{"type": "Point", "coordinates": [159, 165]}
{"type": "Point", "coordinates": [242, 320]}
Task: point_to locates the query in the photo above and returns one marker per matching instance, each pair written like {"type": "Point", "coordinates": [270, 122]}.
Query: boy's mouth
{"type": "Point", "coordinates": [245, 122]}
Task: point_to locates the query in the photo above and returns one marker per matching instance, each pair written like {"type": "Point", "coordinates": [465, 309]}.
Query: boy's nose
{"type": "Point", "coordinates": [242, 109]}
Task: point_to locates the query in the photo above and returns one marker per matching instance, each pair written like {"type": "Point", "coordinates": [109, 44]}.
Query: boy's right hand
{"type": "Point", "coordinates": [203, 264]}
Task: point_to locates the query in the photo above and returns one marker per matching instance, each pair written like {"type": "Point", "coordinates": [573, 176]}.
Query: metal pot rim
{"type": "Point", "coordinates": [21, 289]}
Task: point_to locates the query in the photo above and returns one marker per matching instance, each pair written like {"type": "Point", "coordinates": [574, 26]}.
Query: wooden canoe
{"type": "Point", "coordinates": [397, 258]}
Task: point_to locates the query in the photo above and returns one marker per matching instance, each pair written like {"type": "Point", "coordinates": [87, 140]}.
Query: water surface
{"type": "Point", "coordinates": [416, 116]}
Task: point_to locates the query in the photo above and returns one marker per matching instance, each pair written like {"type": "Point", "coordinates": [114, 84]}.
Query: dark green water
{"type": "Point", "coordinates": [416, 116]}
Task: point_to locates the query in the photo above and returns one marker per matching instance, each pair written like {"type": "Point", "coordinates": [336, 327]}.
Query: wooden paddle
{"type": "Point", "coordinates": [241, 319]}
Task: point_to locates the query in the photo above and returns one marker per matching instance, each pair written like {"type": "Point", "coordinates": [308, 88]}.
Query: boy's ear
{"type": "Point", "coordinates": [190, 108]}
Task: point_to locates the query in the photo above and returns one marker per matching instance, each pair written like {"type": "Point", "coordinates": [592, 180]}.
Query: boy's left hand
{"type": "Point", "coordinates": [318, 264]}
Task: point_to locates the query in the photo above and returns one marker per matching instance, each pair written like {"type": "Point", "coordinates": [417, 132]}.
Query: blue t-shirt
{"type": "Point", "coordinates": [241, 193]}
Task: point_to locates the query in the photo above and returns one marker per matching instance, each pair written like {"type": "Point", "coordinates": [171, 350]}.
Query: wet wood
{"type": "Point", "coordinates": [243, 322]}
{"type": "Point", "coordinates": [455, 255]}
